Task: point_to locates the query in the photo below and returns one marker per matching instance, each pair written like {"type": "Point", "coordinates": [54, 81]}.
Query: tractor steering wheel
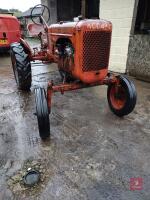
{"type": "Point", "coordinates": [38, 12]}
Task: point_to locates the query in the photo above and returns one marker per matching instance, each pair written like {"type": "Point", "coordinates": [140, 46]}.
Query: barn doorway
{"type": "Point", "coordinates": [92, 9]}
{"type": "Point", "coordinates": [68, 9]}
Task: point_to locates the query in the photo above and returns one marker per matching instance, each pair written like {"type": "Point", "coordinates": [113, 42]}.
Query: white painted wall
{"type": "Point", "coordinates": [120, 13]}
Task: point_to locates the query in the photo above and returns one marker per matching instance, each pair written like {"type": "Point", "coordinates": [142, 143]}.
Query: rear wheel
{"type": "Point", "coordinates": [21, 66]}
{"type": "Point", "coordinates": [42, 113]}
{"type": "Point", "coordinates": [122, 97]}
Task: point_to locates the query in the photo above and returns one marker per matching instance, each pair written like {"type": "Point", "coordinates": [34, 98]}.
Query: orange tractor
{"type": "Point", "coordinates": [81, 49]}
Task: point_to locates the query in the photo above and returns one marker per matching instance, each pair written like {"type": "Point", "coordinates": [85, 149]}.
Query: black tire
{"type": "Point", "coordinates": [21, 66]}
{"type": "Point", "coordinates": [42, 113]}
{"type": "Point", "coordinates": [125, 97]}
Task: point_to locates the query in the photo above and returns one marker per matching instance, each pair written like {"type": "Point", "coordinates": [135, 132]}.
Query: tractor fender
{"type": "Point", "coordinates": [26, 46]}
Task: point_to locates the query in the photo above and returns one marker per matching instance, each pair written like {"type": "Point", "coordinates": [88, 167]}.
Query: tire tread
{"type": "Point", "coordinates": [23, 66]}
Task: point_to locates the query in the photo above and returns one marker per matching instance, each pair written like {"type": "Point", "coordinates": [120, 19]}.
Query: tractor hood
{"type": "Point", "coordinates": [72, 27]}
{"type": "Point", "coordinates": [63, 27]}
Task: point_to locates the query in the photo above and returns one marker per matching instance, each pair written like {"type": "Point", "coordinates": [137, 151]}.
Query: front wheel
{"type": "Point", "coordinates": [122, 96]}
{"type": "Point", "coordinates": [42, 113]}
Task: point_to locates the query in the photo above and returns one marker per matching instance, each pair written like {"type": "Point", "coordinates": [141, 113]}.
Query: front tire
{"type": "Point", "coordinates": [21, 66]}
{"type": "Point", "coordinates": [42, 113]}
{"type": "Point", "coordinates": [122, 97]}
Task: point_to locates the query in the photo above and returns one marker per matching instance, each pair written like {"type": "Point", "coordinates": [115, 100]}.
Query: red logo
{"type": "Point", "coordinates": [136, 183]}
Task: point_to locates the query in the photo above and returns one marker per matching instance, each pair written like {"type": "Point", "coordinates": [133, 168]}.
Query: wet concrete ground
{"type": "Point", "coordinates": [92, 153]}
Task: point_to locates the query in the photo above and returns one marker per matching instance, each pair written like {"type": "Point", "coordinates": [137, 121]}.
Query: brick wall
{"type": "Point", "coordinates": [120, 13]}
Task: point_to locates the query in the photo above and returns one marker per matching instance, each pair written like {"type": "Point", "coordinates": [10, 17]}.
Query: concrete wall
{"type": "Point", "coordinates": [138, 63]}
{"type": "Point", "coordinates": [44, 2]}
{"type": "Point", "coordinates": [52, 5]}
{"type": "Point", "coordinates": [120, 13]}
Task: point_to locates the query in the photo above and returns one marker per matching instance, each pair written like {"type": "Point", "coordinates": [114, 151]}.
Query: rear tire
{"type": "Point", "coordinates": [21, 66]}
{"type": "Point", "coordinates": [122, 98]}
{"type": "Point", "coordinates": [42, 113]}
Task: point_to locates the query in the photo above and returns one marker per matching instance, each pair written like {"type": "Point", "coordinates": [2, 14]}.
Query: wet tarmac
{"type": "Point", "coordinates": [92, 154]}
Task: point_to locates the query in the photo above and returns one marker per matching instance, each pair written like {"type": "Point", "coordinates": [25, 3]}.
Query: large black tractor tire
{"type": "Point", "coordinates": [21, 66]}
{"type": "Point", "coordinates": [42, 113]}
{"type": "Point", "coordinates": [122, 98]}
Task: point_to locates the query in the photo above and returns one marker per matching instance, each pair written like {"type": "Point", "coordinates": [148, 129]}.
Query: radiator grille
{"type": "Point", "coordinates": [96, 49]}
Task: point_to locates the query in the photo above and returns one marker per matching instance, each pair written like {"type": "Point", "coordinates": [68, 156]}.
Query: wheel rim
{"type": "Point", "coordinates": [118, 97]}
